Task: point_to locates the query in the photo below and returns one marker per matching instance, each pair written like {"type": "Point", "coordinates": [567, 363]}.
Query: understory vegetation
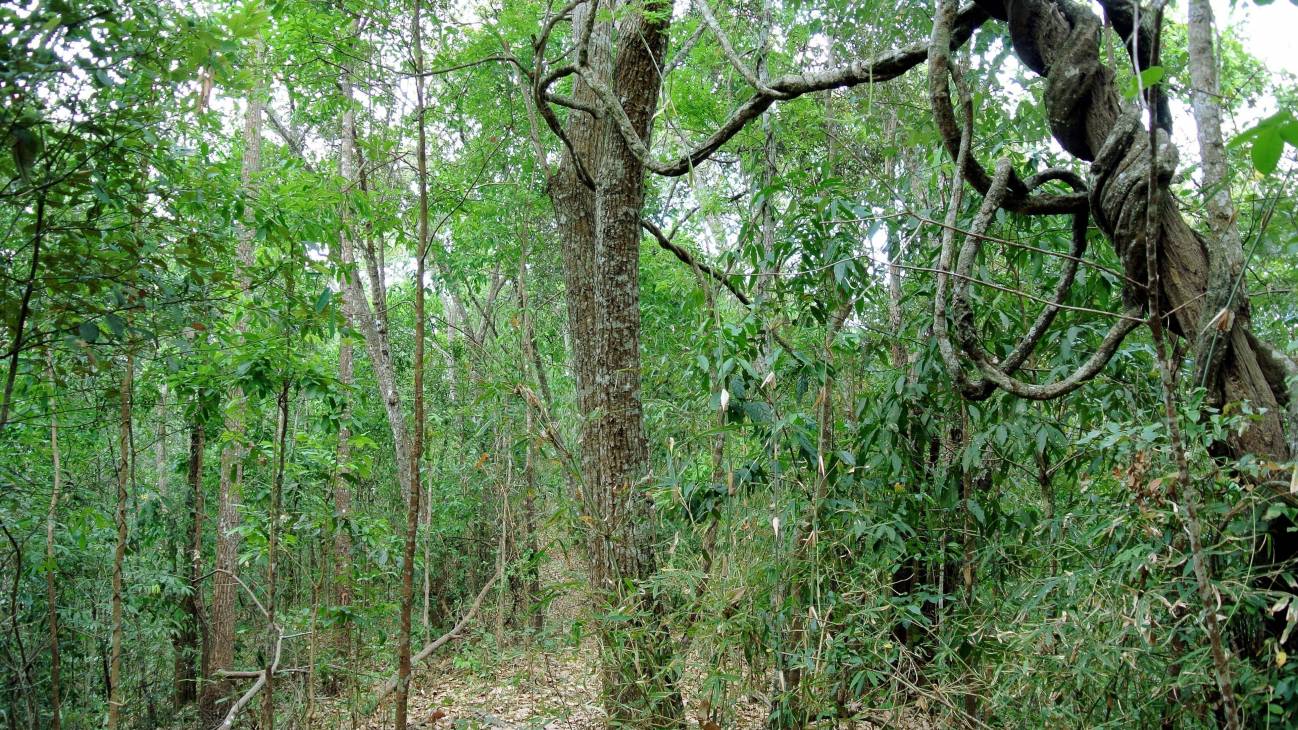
{"type": "Point", "coordinates": [743, 363]}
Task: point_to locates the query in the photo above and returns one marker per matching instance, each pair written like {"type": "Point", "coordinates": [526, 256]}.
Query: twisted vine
{"type": "Point", "coordinates": [1071, 93]}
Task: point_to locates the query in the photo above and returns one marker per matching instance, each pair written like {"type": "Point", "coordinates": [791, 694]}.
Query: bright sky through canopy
{"type": "Point", "coordinates": [1266, 30]}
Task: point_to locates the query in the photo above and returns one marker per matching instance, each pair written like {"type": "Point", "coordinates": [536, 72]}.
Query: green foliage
{"type": "Point", "coordinates": [1266, 140]}
{"type": "Point", "coordinates": [826, 505]}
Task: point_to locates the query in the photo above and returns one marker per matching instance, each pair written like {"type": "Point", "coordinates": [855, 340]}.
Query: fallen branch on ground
{"type": "Point", "coordinates": [390, 686]}
{"type": "Point", "coordinates": [243, 701]}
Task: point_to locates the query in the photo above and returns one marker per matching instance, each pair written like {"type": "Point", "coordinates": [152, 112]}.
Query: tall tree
{"type": "Point", "coordinates": [221, 618]}
{"type": "Point", "coordinates": [189, 640]}
{"type": "Point", "coordinates": [417, 445]}
{"type": "Point", "coordinates": [601, 240]}
{"type": "Point", "coordinates": [51, 574]}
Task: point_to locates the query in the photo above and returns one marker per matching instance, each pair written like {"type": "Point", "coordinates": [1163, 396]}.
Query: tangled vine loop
{"type": "Point", "coordinates": [1119, 184]}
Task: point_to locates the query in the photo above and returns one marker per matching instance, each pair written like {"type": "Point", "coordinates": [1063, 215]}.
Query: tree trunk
{"type": "Point", "coordinates": [342, 495]}
{"type": "Point", "coordinates": [224, 585]}
{"type": "Point", "coordinates": [1060, 41]}
{"type": "Point", "coordinates": [600, 233]}
{"type": "Point", "coordinates": [51, 574]}
{"type": "Point", "coordinates": [360, 315]}
{"type": "Point", "coordinates": [532, 578]}
{"type": "Point", "coordinates": [272, 545]}
{"type": "Point", "coordinates": [119, 555]}
{"type": "Point", "coordinates": [417, 446]}
{"type": "Point", "coordinates": [187, 640]}
{"type": "Point", "coordinates": [574, 212]}
{"type": "Point", "coordinates": [639, 678]}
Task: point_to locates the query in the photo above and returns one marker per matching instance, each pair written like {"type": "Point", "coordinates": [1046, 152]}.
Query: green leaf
{"type": "Point", "coordinates": [89, 331]}
{"type": "Point", "coordinates": [1266, 150]}
{"type": "Point", "coordinates": [322, 301]}
{"type": "Point", "coordinates": [1147, 78]}
{"type": "Point", "coordinates": [1151, 76]}
{"type": "Point", "coordinates": [1289, 132]}
{"type": "Point", "coordinates": [116, 324]}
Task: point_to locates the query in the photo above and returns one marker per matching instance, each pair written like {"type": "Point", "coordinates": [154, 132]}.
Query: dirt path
{"type": "Point", "coordinates": [556, 690]}
{"type": "Point", "coordinates": [472, 686]}
{"type": "Point", "coordinates": [536, 689]}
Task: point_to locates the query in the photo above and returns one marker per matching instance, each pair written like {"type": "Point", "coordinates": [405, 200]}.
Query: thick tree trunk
{"type": "Point", "coordinates": [639, 678]}
{"type": "Point", "coordinates": [574, 211]}
{"type": "Point", "coordinates": [600, 232]}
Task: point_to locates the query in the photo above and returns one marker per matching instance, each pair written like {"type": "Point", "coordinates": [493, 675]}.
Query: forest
{"type": "Point", "coordinates": [647, 364]}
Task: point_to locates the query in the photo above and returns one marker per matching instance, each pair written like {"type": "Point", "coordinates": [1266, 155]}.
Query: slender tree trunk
{"type": "Point", "coordinates": [51, 574]}
{"type": "Point", "coordinates": [24, 309]}
{"type": "Point", "coordinates": [272, 545]}
{"type": "Point", "coordinates": [342, 542]}
{"type": "Point", "coordinates": [22, 680]}
{"type": "Point", "coordinates": [115, 699]}
{"type": "Point", "coordinates": [178, 551]}
{"type": "Point", "coordinates": [532, 582]}
{"type": "Point", "coordinates": [896, 348]}
{"type": "Point", "coordinates": [1204, 93]}
{"type": "Point", "coordinates": [1226, 262]}
{"type": "Point", "coordinates": [783, 676]}
{"type": "Point", "coordinates": [187, 641]}
{"type": "Point", "coordinates": [417, 447]}
{"type": "Point", "coordinates": [360, 314]}
{"type": "Point", "coordinates": [221, 633]}
{"type": "Point", "coordinates": [1224, 247]}
{"type": "Point", "coordinates": [532, 586]}
{"type": "Point", "coordinates": [504, 541]}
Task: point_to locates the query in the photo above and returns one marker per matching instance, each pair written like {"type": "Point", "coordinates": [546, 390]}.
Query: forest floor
{"type": "Point", "coordinates": [558, 689]}
{"type": "Point", "coordinates": [555, 690]}
{"type": "Point", "coordinates": [553, 683]}
{"type": "Point", "coordinates": [535, 689]}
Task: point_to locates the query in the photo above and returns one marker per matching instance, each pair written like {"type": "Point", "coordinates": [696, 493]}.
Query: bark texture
{"type": "Point", "coordinates": [360, 315]}
{"type": "Point", "coordinates": [188, 642]}
{"type": "Point", "coordinates": [342, 496]}
{"type": "Point", "coordinates": [598, 194]}
{"type": "Point", "coordinates": [574, 207]}
{"type": "Point", "coordinates": [417, 447]}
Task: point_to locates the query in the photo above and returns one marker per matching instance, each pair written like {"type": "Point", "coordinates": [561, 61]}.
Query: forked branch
{"type": "Point", "coordinates": [885, 67]}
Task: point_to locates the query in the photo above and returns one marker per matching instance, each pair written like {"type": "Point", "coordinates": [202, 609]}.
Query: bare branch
{"type": "Point", "coordinates": [885, 67]}
{"type": "Point", "coordinates": [390, 685]}
{"type": "Point", "coordinates": [728, 50]}
{"type": "Point", "coordinates": [688, 259]}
